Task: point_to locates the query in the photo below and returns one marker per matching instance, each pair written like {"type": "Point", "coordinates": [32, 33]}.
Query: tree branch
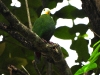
{"type": "Point", "coordinates": [31, 40]}
{"type": "Point", "coordinates": [21, 28]}
{"type": "Point", "coordinates": [91, 7]}
{"type": "Point", "coordinates": [36, 68]}
{"type": "Point", "coordinates": [15, 70]}
{"type": "Point", "coordinates": [16, 35]}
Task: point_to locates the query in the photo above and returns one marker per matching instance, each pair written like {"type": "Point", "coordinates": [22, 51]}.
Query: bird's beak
{"type": "Point", "coordinates": [48, 12]}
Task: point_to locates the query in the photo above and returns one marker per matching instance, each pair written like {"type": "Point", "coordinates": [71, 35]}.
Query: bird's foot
{"type": "Point", "coordinates": [44, 40]}
{"type": "Point", "coordinates": [50, 42]}
{"type": "Point", "coordinates": [47, 41]}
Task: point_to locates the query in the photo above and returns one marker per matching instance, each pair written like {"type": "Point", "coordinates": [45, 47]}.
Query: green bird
{"type": "Point", "coordinates": [44, 27]}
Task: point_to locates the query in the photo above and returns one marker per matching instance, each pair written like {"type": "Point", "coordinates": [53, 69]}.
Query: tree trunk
{"type": "Point", "coordinates": [92, 9]}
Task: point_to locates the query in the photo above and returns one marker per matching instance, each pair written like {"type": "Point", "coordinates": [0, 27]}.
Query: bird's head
{"type": "Point", "coordinates": [45, 11]}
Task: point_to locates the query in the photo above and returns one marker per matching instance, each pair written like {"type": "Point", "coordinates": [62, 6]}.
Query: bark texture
{"type": "Point", "coordinates": [92, 9]}
{"type": "Point", "coordinates": [32, 41]}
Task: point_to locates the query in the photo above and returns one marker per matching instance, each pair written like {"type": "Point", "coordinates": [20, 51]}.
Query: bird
{"type": "Point", "coordinates": [44, 27]}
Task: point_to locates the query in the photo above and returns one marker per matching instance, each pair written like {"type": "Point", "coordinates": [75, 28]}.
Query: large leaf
{"type": "Point", "coordinates": [81, 47]}
{"type": "Point", "coordinates": [31, 68]}
{"type": "Point", "coordinates": [63, 33]}
{"type": "Point", "coordinates": [12, 50]}
{"type": "Point", "coordinates": [86, 68]}
{"type": "Point", "coordinates": [70, 12]}
{"type": "Point", "coordinates": [16, 61]}
{"type": "Point", "coordinates": [95, 53]}
{"type": "Point", "coordinates": [21, 12]}
{"type": "Point", "coordinates": [65, 53]}
{"type": "Point", "coordinates": [98, 42]}
{"type": "Point", "coordinates": [81, 28]}
{"type": "Point", "coordinates": [75, 68]}
{"type": "Point", "coordinates": [16, 49]}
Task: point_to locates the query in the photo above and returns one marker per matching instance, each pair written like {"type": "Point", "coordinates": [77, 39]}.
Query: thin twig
{"type": "Point", "coordinates": [25, 69]}
{"type": "Point", "coordinates": [29, 20]}
{"type": "Point", "coordinates": [13, 69]}
{"type": "Point", "coordinates": [30, 40]}
{"type": "Point", "coordinates": [10, 70]}
{"type": "Point", "coordinates": [28, 15]}
{"type": "Point", "coordinates": [95, 32]}
{"type": "Point", "coordinates": [36, 68]}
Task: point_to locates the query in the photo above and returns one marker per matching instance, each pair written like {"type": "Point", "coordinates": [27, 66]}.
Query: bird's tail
{"type": "Point", "coordinates": [37, 57]}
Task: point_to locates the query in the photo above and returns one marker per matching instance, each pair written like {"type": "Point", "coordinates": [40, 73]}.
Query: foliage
{"type": "Point", "coordinates": [11, 50]}
{"type": "Point", "coordinates": [92, 60]}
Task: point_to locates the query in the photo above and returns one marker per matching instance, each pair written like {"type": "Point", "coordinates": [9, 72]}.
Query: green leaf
{"type": "Point", "coordinates": [15, 49]}
{"type": "Point", "coordinates": [63, 33]}
{"type": "Point", "coordinates": [96, 43]}
{"type": "Point", "coordinates": [95, 58]}
{"type": "Point", "coordinates": [86, 68]}
{"type": "Point", "coordinates": [17, 61]}
{"type": "Point", "coordinates": [81, 47]}
{"type": "Point", "coordinates": [81, 28]}
{"type": "Point", "coordinates": [33, 7]}
{"type": "Point", "coordinates": [20, 15]}
{"type": "Point", "coordinates": [70, 12]}
{"type": "Point", "coordinates": [65, 53]}
{"type": "Point", "coordinates": [52, 4]}
{"type": "Point", "coordinates": [94, 52]}
{"type": "Point", "coordinates": [33, 15]}
{"type": "Point", "coordinates": [75, 68]}
{"type": "Point", "coordinates": [2, 47]}
{"type": "Point", "coordinates": [85, 35]}
{"type": "Point", "coordinates": [31, 69]}
{"type": "Point", "coordinates": [34, 3]}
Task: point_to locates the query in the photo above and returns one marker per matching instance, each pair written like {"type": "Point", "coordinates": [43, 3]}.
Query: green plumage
{"type": "Point", "coordinates": [44, 27]}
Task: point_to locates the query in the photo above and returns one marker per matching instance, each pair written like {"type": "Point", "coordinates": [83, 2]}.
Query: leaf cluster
{"type": "Point", "coordinates": [12, 51]}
